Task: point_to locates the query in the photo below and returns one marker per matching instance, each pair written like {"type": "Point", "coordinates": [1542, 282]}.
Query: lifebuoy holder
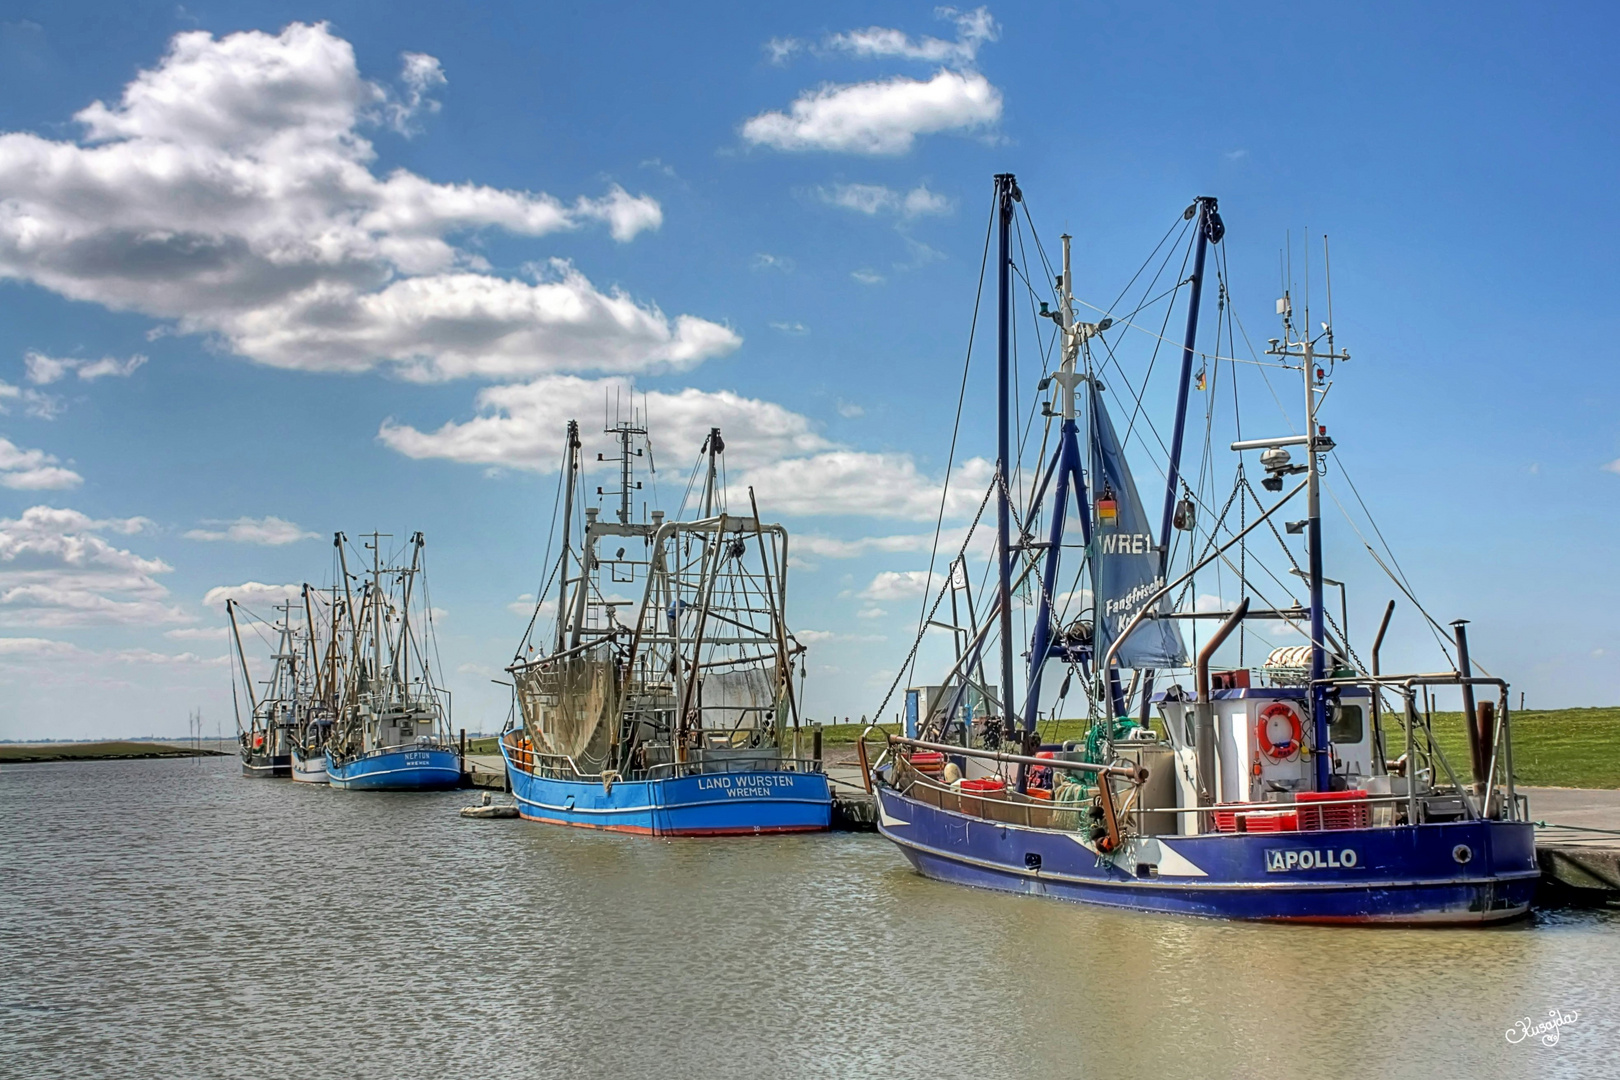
{"type": "Point", "coordinates": [1267, 728]}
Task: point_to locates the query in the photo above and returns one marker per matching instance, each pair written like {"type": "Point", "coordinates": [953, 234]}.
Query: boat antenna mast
{"type": "Point", "coordinates": [713, 446]}
{"type": "Point", "coordinates": [1299, 347]}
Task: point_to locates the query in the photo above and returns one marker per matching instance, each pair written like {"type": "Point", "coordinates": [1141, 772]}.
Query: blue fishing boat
{"type": "Point", "coordinates": [1309, 787]}
{"type": "Point", "coordinates": [682, 718]}
{"type": "Point", "coordinates": [392, 729]}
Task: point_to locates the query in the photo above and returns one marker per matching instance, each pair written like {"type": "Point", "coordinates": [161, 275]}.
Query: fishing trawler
{"type": "Point", "coordinates": [681, 719]}
{"type": "Point", "coordinates": [1308, 787]}
{"type": "Point", "coordinates": [392, 730]}
{"type": "Point", "coordinates": [318, 700]}
{"type": "Point", "coordinates": [266, 742]}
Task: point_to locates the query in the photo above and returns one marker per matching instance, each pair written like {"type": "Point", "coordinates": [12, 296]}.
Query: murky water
{"type": "Point", "coordinates": [170, 919]}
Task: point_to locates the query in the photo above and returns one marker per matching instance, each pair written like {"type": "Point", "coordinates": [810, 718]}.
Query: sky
{"type": "Point", "coordinates": [268, 271]}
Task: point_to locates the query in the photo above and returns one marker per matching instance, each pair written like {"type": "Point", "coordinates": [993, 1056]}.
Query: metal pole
{"type": "Point", "coordinates": [1476, 752]}
{"type": "Point", "coordinates": [1007, 193]}
{"type": "Point", "coordinates": [1322, 756]}
{"type": "Point", "coordinates": [570, 473]}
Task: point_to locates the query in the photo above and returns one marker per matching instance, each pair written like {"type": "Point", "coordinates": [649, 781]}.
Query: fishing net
{"type": "Point", "coordinates": [737, 700]}
{"type": "Point", "coordinates": [568, 704]}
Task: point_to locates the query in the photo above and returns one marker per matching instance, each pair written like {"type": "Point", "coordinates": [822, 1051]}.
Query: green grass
{"type": "Point", "coordinates": [15, 753]}
{"type": "Point", "coordinates": [1551, 747]}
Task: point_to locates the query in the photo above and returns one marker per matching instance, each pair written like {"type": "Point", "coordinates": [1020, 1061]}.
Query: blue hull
{"type": "Point", "coordinates": [1453, 873]}
{"type": "Point", "coordinates": [720, 804]}
{"type": "Point", "coordinates": [402, 768]}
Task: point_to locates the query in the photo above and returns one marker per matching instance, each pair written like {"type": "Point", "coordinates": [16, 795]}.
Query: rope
{"type": "Point", "coordinates": [909, 662]}
{"type": "Point", "coordinates": [950, 459]}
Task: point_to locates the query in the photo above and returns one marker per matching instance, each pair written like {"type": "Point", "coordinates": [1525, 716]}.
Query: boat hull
{"type": "Point", "coordinates": [1466, 872]}
{"type": "Point", "coordinates": [309, 770]}
{"type": "Point", "coordinates": [266, 766]}
{"type": "Point", "coordinates": [718, 804]}
{"type": "Point", "coordinates": [400, 768]}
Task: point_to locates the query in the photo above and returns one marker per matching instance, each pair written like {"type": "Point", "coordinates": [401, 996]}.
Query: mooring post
{"type": "Point", "coordinates": [815, 743]}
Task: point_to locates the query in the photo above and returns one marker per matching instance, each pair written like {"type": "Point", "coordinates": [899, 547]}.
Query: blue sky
{"type": "Point", "coordinates": [271, 270]}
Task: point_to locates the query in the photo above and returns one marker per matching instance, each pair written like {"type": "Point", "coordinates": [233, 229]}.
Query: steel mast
{"type": "Point", "coordinates": [1007, 194]}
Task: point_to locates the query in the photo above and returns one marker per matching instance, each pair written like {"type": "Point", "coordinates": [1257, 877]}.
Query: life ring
{"type": "Point", "coordinates": [1264, 733]}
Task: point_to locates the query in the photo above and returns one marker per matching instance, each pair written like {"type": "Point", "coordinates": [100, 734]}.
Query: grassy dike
{"type": "Point", "coordinates": [116, 750]}
{"type": "Point", "coordinates": [1551, 747]}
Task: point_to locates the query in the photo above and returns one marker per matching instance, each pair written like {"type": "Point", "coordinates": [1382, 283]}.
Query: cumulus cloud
{"type": "Point", "coordinates": [197, 633]}
{"type": "Point", "coordinates": [230, 189]}
{"type": "Point", "coordinates": [880, 117]}
{"type": "Point", "coordinates": [44, 369]}
{"type": "Point", "coordinates": [794, 469]}
{"type": "Point", "coordinates": [269, 531]}
{"type": "Point", "coordinates": [897, 585]}
{"type": "Point", "coordinates": [973, 29]}
{"type": "Point", "coordinates": [33, 650]}
{"type": "Point", "coordinates": [34, 403]}
{"type": "Point", "coordinates": [57, 569]}
{"type": "Point", "coordinates": [829, 547]}
{"type": "Point", "coordinates": [420, 75]}
{"type": "Point", "coordinates": [521, 425]}
{"type": "Point", "coordinates": [874, 199]}
{"type": "Point", "coordinates": [251, 593]}
{"type": "Point", "coordinates": [858, 483]}
{"type": "Point", "coordinates": [33, 470]}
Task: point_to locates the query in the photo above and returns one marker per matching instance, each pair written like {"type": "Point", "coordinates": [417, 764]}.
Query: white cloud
{"type": "Point", "coordinates": [870, 613]}
{"type": "Point", "coordinates": [816, 637]}
{"type": "Point", "coordinates": [898, 584]}
{"type": "Point", "coordinates": [521, 425]}
{"type": "Point", "coordinates": [33, 470]}
{"type": "Point", "coordinates": [251, 593]}
{"type": "Point", "coordinates": [829, 547]}
{"type": "Point", "coordinates": [57, 570]}
{"type": "Point", "coordinates": [269, 531]}
{"type": "Point", "coordinates": [874, 199]}
{"type": "Point", "coordinates": [879, 117]}
{"type": "Point", "coordinates": [848, 409]}
{"type": "Point", "coordinates": [865, 484]}
{"type": "Point", "coordinates": [1613, 466]}
{"type": "Point", "coordinates": [867, 276]}
{"type": "Point", "coordinates": [420, 73]}
{"type": "Point", "coordinates": [36, 404]}
{"type": "Point", "coordinates": [794, 469]}
{"type": "Point", "coordinates": [37, 649]}
{"type": "Point", "coordinates": [973, 28]}
{"type": "Point", "coordinates": [766, 261]}
{"type": "Point", "coordinates": [230, 189]}
{"type": "Point", "coordinates": [790, 327]}
{"type": "Point", "coordinates": [44, 369]}
{"type": "Point", "coordinates": [780, 50]}
{"type": "Point", "coordinates": [197, 633]}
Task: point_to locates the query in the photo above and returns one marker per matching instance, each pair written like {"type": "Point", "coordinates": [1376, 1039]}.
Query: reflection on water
{"type": "Point", "coordinates": [169, 918]}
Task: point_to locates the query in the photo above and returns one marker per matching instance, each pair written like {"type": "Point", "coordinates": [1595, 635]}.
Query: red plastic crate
{"type": "Point", "coordinates": [928, 762]}
{"type": "Point", "coordinates": [988, 783]}
{"type": "Point", "coordinates": [1240, 818]}
{"type": "Point", "coordinates": [1318, 810]}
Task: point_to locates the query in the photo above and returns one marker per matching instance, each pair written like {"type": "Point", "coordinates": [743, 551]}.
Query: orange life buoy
{"type": "Point", "coordinates": [1275, 740]}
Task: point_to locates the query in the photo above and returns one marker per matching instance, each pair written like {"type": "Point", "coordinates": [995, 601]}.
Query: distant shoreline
{"type": "Point", "coordinates": [108, 750]}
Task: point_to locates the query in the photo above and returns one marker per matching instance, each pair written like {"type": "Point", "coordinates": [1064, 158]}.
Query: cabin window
{"type": "Point", "coordinates": [1348, 725]}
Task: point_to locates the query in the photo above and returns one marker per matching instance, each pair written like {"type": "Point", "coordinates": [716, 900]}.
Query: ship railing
{"type": "Point", "coordinates": [564, 767]}
{"type": "Point", "coordinates": [1133, 775]}
{"type": "Point", "coordinates": [1482, 799]}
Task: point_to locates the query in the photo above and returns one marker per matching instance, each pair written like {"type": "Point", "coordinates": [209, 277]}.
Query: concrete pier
{"type": "Point", "coordinates": [1577, 844]}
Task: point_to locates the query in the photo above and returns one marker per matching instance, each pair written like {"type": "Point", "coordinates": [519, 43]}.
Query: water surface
{"type": "Point", "coordinates": [172, 919]}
